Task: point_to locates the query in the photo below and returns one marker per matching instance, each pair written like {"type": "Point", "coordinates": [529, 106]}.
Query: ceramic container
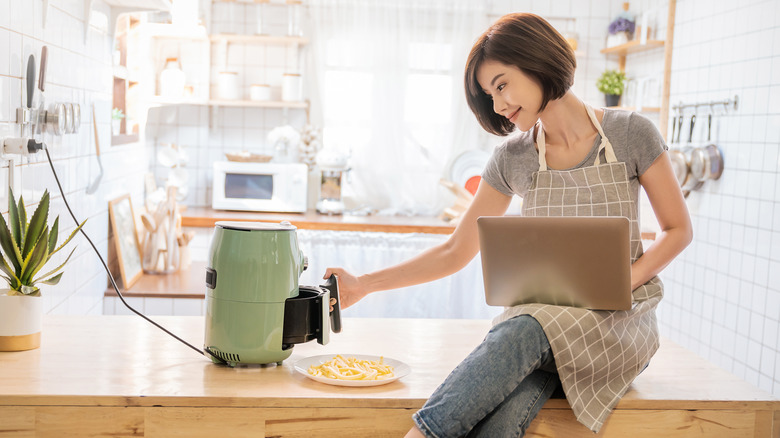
{"type": "Point", "coordinates": [21, 318]}
{"type": "Point", "coordinates": [292, 87]}
{"type": "Point", "coordinates": [260, 92]}
{"type": "Point", "coordinates": [227, 85]}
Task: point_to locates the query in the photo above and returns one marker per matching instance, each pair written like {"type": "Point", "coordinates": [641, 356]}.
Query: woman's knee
{"type": "Point", "coordinates": [518, 328]}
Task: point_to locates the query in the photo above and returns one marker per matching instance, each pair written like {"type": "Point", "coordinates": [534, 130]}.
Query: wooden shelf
{"type": "Point", "coordinates": [632, 47]}
{"type": "Point", "coordinates": [645, 109]}
{"type": "Point", "coordinates": [258, 39]}
{"type": "Point", "coordinates": [159, 100]}
{"type": "Point", "coordinates": [172, 31]}
{"type": "Point", "coordinates": [259, 103]}
{"type": "Point", "coordinates": [623, 50]}
{"type": "Point", "coordinates": [124, 139]}
{"type": "Point", "coordinates": [118, 7]}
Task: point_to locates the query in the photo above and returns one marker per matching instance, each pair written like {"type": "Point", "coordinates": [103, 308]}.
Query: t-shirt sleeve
{"type": "Point", "coordinates": [494, 173]}
{"type": "Point", "coordinates": [646, 142]}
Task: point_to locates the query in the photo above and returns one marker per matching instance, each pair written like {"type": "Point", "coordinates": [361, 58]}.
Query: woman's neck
{"type": "Point", "coordinates": [565, 122]}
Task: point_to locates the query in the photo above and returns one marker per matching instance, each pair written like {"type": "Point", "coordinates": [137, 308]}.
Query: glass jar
{"type": "Point", "coordinates": [172, 79]}
{"type": "Point", "coordinates": [294, 16]}
{"type": "Point", "coordinates": [262, 13]}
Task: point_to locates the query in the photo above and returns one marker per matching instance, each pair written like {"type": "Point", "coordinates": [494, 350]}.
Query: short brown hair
{"type": "Point", "coordinates": [529, 43]}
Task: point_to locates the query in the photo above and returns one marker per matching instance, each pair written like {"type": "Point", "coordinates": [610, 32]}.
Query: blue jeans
{"type": "Point", "coordinates": [498, 389]}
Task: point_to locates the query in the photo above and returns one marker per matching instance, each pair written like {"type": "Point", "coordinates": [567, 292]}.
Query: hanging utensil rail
{"type": "Point", "coordinates": [727, 104]}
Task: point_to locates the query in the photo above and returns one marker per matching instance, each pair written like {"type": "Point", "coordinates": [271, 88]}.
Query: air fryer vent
{"type": "Point", "coordinates": [227, 357]}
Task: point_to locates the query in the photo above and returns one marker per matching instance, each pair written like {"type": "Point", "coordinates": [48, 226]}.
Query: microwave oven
{"type": "Point", "coordinates": [272, 187]}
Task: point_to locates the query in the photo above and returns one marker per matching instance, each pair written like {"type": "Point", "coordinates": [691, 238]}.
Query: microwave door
{"type": "Point", "coordinates": [249, 186]}
{"type": "Point", "coordinates": [267, 187]}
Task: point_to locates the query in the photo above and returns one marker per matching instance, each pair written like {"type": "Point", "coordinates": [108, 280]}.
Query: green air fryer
{"type": "Point", "coordinates": [255, 310]}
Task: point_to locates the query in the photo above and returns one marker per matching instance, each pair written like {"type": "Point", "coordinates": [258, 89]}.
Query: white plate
{"type": "Point", "coordinates": [400, 369]}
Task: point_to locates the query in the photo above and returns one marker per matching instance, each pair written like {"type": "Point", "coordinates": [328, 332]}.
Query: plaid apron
{"type": "Point", "coordinates": [598, 353]}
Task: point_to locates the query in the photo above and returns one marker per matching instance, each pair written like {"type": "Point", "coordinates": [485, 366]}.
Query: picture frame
{"type": "Point", "coordinates": [128, 249]}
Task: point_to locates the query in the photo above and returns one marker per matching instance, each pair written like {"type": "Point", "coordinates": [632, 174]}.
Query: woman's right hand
{"type": "Point", "coordinates": [350, 289]}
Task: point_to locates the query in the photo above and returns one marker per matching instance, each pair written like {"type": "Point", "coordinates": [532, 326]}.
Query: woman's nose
{"type": "Point", "coordinates": [498, 105]}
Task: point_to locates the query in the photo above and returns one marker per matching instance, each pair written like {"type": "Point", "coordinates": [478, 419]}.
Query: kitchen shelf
{"type": "Point", "coordinates": [645, 109]}
{"type": "Point", "coordinates": [159, 100]}
{"type": "Point", "coordinates": [172, 31]}
{"type": "Point", "coordinates": [121, 72]}
{"type": "Point", "coordinates": [623, 50]}
{"type": "Point", "coordinates": [118, 7]}
{"type": "Point", "coordinates": [260, 104]}
{"type": "Point", "coordinates": [259, 39]}
{"type": "Point", "coordinates": [632, 47]}
{"type": "Point", "coordinates": [124, 139]}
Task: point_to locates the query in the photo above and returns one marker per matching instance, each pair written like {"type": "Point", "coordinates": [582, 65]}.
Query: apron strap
{"type": "Point", "coordinates": [541, 145]}
{"type": "Point", "coordinates": [605, 145]}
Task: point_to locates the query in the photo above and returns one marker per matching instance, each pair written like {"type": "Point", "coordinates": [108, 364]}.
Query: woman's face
{"type": "Point", "coordinates": [515, 95]}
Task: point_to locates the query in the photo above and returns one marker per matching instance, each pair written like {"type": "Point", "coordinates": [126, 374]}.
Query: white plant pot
{"type": "Point", "coordinates": [21, 318]}
{"type": "Point", "coordinates": [617, 39]}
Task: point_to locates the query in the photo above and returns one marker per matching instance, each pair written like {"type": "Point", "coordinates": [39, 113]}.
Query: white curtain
{"type": "Point", "coordinates": [386, 83]}
{"type": "Point", "coordinates": [460, 295]}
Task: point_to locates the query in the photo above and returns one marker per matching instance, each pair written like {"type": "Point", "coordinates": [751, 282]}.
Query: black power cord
{"type": "Point", "coordinates": [111, 277]}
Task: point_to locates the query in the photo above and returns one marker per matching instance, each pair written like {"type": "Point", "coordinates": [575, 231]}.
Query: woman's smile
{"type": "Point", "coordinates": [512, 117]}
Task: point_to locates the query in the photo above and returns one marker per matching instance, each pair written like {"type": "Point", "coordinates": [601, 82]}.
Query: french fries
{"type": "Point", "coordinates": [351, 368]}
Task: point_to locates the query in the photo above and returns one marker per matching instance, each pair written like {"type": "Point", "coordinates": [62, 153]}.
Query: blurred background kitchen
{"type": "Point", "coordinates": [367, 98]}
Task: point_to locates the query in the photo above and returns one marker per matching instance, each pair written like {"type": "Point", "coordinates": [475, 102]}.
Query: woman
{"type": "Point", "coordinates": [568, 159]}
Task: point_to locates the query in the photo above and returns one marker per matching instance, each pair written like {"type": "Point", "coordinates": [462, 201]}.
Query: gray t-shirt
{"type": "Point", "coordinates": [635, 140]}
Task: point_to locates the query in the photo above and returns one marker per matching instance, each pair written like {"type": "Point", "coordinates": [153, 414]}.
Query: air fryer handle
{"type": "Point", "coordinates": [332, 285]}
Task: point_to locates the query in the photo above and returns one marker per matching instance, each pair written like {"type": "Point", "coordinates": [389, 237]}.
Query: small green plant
{"type": "Point", "coordinates": [29, 246]}
{"type": "Point", "coordinates": [117, 114]}
{"type": "Point", "coordinates": [612, 82]}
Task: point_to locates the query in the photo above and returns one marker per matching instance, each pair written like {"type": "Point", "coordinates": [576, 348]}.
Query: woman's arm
{"type": "Point", "coordinates": [670, 209]}
{"type": "Point", "coordinates": [437, 262]}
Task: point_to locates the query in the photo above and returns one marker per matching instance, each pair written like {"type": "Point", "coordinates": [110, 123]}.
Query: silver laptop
{"type": "Point", "coordinates": [566, 261]}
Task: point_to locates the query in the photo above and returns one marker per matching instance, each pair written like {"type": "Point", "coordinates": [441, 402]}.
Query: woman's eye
{"type": "Point", "coordinates": [501, 87]}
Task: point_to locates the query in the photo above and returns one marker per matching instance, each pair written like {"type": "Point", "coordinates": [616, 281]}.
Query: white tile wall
{"type": "Point", "coordinates": [723, 292]}
{"type": "Point", "coordinates": [77, 72]}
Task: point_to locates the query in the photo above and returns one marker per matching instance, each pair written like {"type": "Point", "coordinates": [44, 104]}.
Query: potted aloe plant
{"type": "Point", "coordinates": [26, 247]}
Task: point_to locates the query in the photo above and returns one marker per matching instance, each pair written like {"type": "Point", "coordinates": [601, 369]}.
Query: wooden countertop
{"type": "Point", "coordinates": [311, 220]}
{"type": "Point", "coordinates": [97, 376]}
{"type": "Point", "coordinates": [125, 361]}
{"type": "Point", "coordinates": [184, 283]}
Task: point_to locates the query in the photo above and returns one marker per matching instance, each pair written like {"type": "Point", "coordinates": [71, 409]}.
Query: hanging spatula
{"type": "Point", "coordinates": [94, 184]}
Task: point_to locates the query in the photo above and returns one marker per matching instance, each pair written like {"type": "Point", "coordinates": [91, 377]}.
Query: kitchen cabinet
{"type": "Point", "coordinates": [624, 50]}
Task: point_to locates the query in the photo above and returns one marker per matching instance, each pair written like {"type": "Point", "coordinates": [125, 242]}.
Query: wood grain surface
{"type": "Point", "coordinates": [121, 376]}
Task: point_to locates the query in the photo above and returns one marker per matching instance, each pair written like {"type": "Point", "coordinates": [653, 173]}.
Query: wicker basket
{"type": "Point", "coordinates": [247, 157]}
